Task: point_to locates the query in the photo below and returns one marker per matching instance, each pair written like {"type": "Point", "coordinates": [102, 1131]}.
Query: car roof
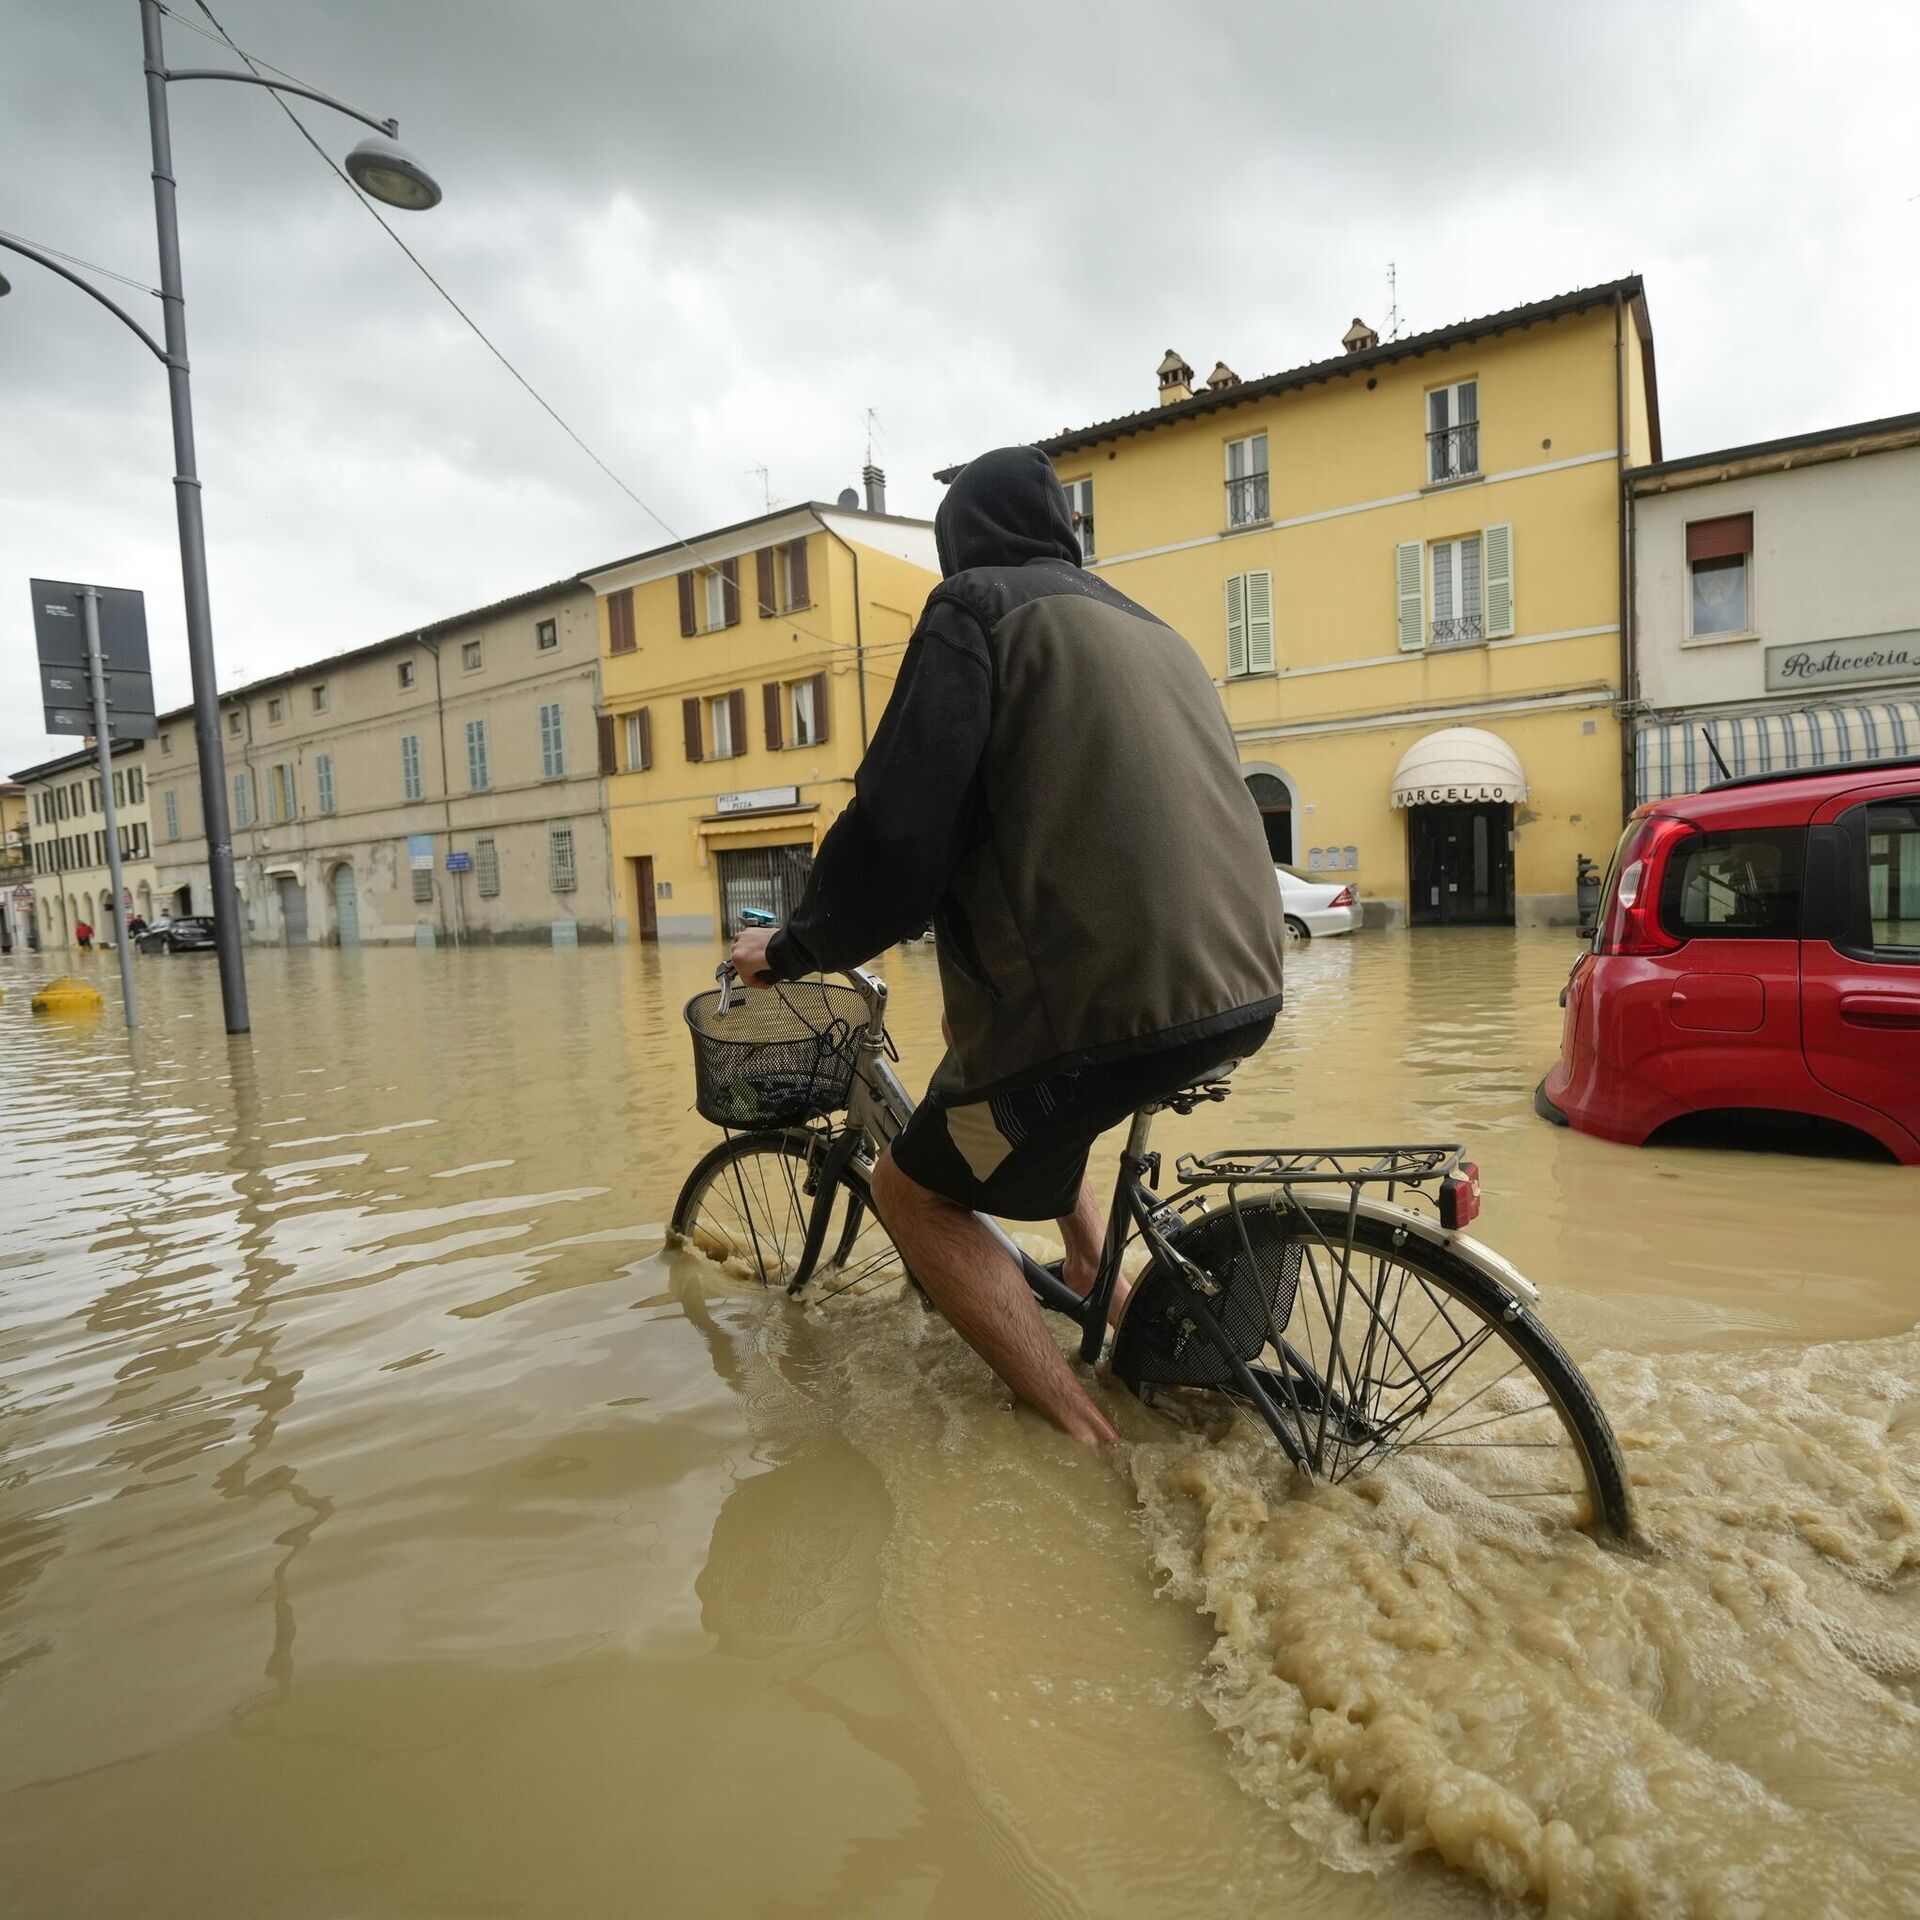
{"type": "Point", "coordinates": [1790, 791]}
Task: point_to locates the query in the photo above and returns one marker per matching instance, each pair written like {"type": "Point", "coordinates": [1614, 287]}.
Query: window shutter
{"type": "Point", "coordinates": [819, 709]}
{"type": "Point", "coordinates": [646, 735]}
{"type": "Point", "coordinates": [737, 718]}
{"type": "Point", "coordinates": [1408, 567]}
{"type": "Point", "coordinates": [1496, 588]}
{"type": "Point", "coordinates": [1236, 624]}
{"type": "Point", "coordinates": [603, 727]}
{"type": "Point", "coordinates": [763, 575]}
{"type": "Point", "coordinates": [620, 621]}
{"type": "Point", "coordinates": [690, 714]}
{"type": "Point", "coordinates": [730, 592]}
{"type": "Point", "coordinates": [797, 573]}
{"type": "Point", "coordinates": [1720, 539]}
{"type": "Point", "coordinates": [686, 608]}
{"type": "Point", "coordinates": [1260, 622]}
{"type": "Point", "coordinates": [770, 701]}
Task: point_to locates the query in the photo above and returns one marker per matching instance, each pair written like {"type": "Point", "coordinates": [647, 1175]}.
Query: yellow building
{"type": "Point", "coordinates": [1405, 567]}
{"type": "Point", "coordinates": [742, 674]}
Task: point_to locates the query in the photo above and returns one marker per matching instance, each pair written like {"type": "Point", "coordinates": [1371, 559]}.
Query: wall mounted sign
{"type": "Point", "coordinates": [757, 800]}
{"type": "Point", "coordinates": [420, 852]}
{"type": "Point", "coordinates": [1844, 663]}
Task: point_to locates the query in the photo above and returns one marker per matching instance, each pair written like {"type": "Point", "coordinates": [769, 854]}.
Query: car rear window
{"type": "Point", "coordinates": [1893, 877]}
{"type": "Point", "coordinates": [1743, 885]}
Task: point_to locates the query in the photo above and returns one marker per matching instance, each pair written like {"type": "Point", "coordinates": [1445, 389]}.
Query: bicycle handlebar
{"type": "Point", "coordinates": [869, 986]}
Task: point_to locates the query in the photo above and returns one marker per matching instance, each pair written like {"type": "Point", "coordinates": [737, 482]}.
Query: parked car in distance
{"type": "Point", "coordinates": [1314, 907]}
{"type": "Point", "coordinates": [189, 933]}
{"type": "Point", "coordinates": [1757, 957]}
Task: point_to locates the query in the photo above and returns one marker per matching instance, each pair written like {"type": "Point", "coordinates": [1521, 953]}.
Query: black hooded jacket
{"type": "Point", "coordinates": [1055, 786]}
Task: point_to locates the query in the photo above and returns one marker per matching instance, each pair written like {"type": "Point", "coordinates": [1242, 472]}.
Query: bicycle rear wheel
{"type": "Point", "coordinates": [750, 1207]}
{"type": "Point", "coordinates": [1369, 1342]}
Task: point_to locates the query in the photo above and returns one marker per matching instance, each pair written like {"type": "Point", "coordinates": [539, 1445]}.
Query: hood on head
{"type": "Point", "coordinates": [1004, 508]}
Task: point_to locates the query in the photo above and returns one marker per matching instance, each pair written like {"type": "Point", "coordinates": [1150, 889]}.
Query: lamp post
{"type": "Point", "coordinates": [382, 169]}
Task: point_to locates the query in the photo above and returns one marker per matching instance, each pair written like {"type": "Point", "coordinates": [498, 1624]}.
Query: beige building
{"type": "Point", "coordinates": [443, 785]}
{"type": "Point", "coordinates": [1776, 606]}
{"type": "Point", "coordinates": [67, 845]}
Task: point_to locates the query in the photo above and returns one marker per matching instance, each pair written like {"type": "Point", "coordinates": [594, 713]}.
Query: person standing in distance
{"type": "Point", "coordinates": [1054, 784]}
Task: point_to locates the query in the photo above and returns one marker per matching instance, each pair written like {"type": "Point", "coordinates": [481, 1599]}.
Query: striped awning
{"type": "Point", "coordinates": [1671, 756]}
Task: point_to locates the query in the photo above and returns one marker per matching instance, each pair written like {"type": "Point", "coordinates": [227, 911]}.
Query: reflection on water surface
{"type": "Point", "coordinates": [387, 1524]}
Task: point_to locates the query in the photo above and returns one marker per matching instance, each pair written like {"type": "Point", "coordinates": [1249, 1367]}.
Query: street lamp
{"type": "Point", "coordinates": [382, 169]}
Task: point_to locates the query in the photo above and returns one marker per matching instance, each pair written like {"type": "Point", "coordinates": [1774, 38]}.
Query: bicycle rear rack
{"type": "Point", "coordinates": [1319, 1166]}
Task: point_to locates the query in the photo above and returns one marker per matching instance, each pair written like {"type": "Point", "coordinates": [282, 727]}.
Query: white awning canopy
{"type": "Point", "coordinates": [1671, 756]}
{"type": "Point", "coordinates": [1458, 766]}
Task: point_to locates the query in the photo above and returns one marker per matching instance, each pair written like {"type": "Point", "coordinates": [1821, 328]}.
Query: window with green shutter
{"type": "Point", "coordinates": [1249, 624]}
{"type": "Point", "coordinates": [553, 745]}
{"type": "Point", "coordinates": [477, 772]}
{"type": "Point", "coordinates": [410, 783]}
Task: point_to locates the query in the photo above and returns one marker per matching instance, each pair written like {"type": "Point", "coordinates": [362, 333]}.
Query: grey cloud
{"type": "Point", "coordinates": [713, 234]}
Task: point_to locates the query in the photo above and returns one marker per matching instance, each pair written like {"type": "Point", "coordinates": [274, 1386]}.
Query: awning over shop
{"type": "Point", "coordinates": [1458, 766]}
{"type": "Point", "coordinates": [1671, 756]}
{"type": "Point", "coordinates": [730, 826]}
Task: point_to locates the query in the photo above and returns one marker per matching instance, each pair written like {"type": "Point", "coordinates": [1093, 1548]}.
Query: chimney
{"type": "Point", "coordinates": [1359, 337]}
{"type": "Point", "coordinates": [875, 483]}
{"type": "Point", "coordinates": [1221, 378]}
{"type": "Point", "coordinates": [1176, 380]}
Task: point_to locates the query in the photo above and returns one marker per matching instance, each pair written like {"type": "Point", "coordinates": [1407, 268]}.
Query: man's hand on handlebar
{"type": "Point", "coordinates": [748, 955]}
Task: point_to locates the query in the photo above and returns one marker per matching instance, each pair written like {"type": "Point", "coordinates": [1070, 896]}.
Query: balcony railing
{"type": "Point", "coordinates": [1462, 630]}
{"type": "Point", "coordinates": [1453, 453]}
{"type": "Point", "coordinates": [1247, 500]}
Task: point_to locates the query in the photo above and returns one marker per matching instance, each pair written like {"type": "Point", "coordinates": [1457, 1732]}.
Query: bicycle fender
{"type": "Point", "coordinates": [1388, 1213]}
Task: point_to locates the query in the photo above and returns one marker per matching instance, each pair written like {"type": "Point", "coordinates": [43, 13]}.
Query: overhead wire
{"type": "Point", "coordinates": [74, 260]}
{"type": "Point", "coordinates": [675, 536]}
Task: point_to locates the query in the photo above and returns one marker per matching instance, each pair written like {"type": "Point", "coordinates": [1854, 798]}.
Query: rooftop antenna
{"type": "Point", "coordinates": [873, 422]}
{"type": "Point", "coordinates": [766, 485]}
{"type": "Point", "coordinates": [1393, 301]}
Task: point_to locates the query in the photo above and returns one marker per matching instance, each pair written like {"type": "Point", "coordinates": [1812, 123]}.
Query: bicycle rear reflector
{"type": "Point", "coordinates": [1460, 1196]}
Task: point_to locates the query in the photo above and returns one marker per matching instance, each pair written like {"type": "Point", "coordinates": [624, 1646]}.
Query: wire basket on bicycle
{"type": "Point", "coordinates": [775, 1059]}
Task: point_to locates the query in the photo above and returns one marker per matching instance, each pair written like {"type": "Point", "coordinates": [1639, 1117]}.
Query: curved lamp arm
{"type": "Point", "coordinates": [119, 312]}
{"type": "Point", "coordinates": [391, 128]}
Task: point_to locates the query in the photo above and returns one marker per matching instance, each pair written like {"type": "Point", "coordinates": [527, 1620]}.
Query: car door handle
{"type": "Point", "coordinates": [1880, 1010]}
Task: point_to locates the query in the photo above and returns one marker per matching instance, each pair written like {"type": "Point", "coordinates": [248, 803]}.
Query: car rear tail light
{"type": "Point", "coordinates": [1630, 919]}
{"type": "Point", "coordinates": [1460, 1196]}
{"type": "Point", "coordinates": [1344, 898]}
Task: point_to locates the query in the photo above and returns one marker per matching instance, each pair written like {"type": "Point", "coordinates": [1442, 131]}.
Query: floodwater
{"type": "Point", "coordinates": [388, 1525]}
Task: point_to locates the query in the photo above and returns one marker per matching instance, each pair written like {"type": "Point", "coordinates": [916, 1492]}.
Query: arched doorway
{"type": "Point", "coordinates": [1458, 788]}
{"type": "Point", "coordinates": [1276, 797]}
{"type": "Point", "coordinates": [346, 906]}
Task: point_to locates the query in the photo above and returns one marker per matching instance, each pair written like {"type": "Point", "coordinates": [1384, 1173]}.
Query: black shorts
{"type": "Point", "coordinates": [1022, 1154]}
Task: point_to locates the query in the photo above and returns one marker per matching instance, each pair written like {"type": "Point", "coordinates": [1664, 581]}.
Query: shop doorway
{"type": "Point", "coordinates": [646, 919]}
{"type": "Point", "coordinates": [1460, 865]}
{"type": "Point", "coordinates": [346, 906]}
{"type": "Point", "coordinates": [293, 907]}
{"type": "Point", "coordinates": [770, 878]}
{"type": "Point", "coordinates": [1274, 798]}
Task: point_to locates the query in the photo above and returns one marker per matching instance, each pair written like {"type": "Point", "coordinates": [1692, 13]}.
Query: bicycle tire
{"type": "Point", "coordinates": [1279, 1233]}
{"type": "Point", "coordinates": [766, 1223]}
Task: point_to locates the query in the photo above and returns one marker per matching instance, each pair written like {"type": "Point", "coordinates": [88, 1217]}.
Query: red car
{"type": "Point", "coordinates": [1757, 961]}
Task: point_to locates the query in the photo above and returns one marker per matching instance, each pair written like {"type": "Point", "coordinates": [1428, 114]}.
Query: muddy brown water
{"type": "Point", "coordinates": [388, 1525]}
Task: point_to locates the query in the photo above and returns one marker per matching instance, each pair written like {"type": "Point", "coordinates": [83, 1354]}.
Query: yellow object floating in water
{"type": "Point", "coordinates": [67, 994]}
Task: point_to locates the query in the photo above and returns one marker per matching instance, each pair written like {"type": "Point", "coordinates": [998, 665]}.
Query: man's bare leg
{"type": "Point", "coordinates": [984, 1298]}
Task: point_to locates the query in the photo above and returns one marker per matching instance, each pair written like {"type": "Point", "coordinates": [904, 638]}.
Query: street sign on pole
{"type": "Point", "coordinates": [60, 631]}
{"type": "Point", "coordinates": [103, 745]}
{"type": "Point", "coordinates": [459, 863]}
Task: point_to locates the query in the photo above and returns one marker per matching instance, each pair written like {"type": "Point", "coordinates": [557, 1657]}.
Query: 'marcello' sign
{"type": "Point", "coordinates": [1838, 663]}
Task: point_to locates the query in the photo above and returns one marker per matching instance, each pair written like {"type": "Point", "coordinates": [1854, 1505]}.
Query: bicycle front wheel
{"type": "Point", "coordinates": [1370, 1342]}
{"type": "Point", "coordinates": [751, 1206]}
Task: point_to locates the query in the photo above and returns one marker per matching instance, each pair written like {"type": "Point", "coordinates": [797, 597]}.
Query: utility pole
{"type": "Point", "coordinates": [90, 604]}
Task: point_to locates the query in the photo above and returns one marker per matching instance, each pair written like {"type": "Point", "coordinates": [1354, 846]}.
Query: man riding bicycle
{"type": "Point", "coordinates": [1053, 784]}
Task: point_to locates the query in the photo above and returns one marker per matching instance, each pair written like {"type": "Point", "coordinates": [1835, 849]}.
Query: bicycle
{"type": "Point", "coordinates": [1328, 1293]}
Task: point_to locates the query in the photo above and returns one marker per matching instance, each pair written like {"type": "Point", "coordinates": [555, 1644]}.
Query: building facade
{"type": "Point", "coordinates": [1405, 567]}
{"type": "Point", "coordinates": [440, 786]}
{"type": "Point", "coordinates": [67, 845]}
{"type": "Point", "coordinates": [1776, 606]}
{"type": "Point", "coordinates": [742, 674]}
{"type": "Point", "coordinates": [16, 866]}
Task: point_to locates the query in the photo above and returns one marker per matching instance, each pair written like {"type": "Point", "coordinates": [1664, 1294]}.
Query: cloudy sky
{"type": "Point", "coordinates": [715, 234]}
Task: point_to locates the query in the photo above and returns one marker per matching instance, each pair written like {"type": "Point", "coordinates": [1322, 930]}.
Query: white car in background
{"type": "Point", "coordinates": [1315, 907]}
